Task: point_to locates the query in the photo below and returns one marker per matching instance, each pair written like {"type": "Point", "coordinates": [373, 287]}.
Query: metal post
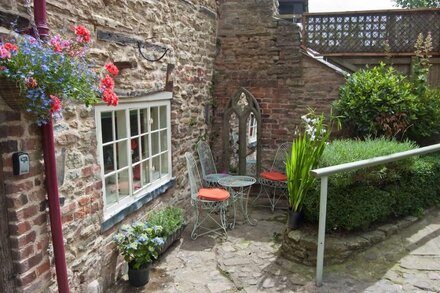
{"type": "Point", "coordinates": [321, 231]}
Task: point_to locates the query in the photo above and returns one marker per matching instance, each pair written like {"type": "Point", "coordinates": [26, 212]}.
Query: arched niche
{"type": "Point", "coordinates": [242, 134]}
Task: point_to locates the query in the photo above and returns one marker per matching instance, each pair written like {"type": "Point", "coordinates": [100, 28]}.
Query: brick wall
{"type": "Point", "coordinates": [186, 27]}
{"type": "Point", "coordinates": [254, 50]}
{"type": "Point", "coordinates": [25, 200]}
{"type": "Point", "coordinates": [262, 53]}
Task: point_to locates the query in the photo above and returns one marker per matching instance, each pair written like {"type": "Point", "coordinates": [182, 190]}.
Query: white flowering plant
{"type": "Point", "coordinates": [307, 149]}
{"type": "Point", "coordinates": [139, 243]}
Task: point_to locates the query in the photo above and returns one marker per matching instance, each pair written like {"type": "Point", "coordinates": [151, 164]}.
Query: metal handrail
{"type": "Point", "coordinates": [324, 173]}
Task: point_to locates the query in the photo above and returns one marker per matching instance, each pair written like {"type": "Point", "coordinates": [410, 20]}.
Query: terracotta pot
{"type": "Point", "coordinates": [140, 277]}
{"type": "Point", "coordinates": [10, 93]}
{"type": "Point", "coordinates": [294, 219]}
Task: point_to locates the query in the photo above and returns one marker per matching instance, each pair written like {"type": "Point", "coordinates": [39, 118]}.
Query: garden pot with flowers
{"type": "Point", "coordinates": [41, 76]}
{"type": "Point", "coordinates": [140, 244]}
{"type": "Point", "coordinates": [307, 149]}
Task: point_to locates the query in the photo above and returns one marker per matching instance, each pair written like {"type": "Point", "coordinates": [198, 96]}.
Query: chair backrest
{"type": "Point", "coordinates": [279, 163]}
{"type": "Point", "coordinates": [193, 175]}
{"type": "Point", "coordinates": [206, 159]}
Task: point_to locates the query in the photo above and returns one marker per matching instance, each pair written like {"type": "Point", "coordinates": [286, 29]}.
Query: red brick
{"type": "Point", "coordinates": [14, 187]}
{"type": "Point", "coordinates": [8, 146]}
{"type": "Point", "coordinates": [43, 268]}
{"type": "Point", "coordinates": [19, 228]}
{"type": "Point", "coordinates": [26, 279]}
{"type": "Point", "coordinates": [24, 213]}
{"type": "Point", "coordinates": [84, 200]}
{"type": "Point", "coordinates": [41, 219]}
{"type": "Point", "coordinates": [22, 253]}
{"type": "Point", "coordinates": [22, 240]}
{"type": "Point", "coordinates": [87, 171]}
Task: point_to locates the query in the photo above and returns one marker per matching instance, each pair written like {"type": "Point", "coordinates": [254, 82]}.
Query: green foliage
{"type": "Point", "coordinates": [361, 198]}
{"type": "Point", "coordinates": [345, 151]}
{"type": "Point", "coordinates": [307, 149]}
{"type": "Point", "coordinates": [417, 3]}
{"type": "Point", "coordinates": [428, 116]}
{"type": "Point", "coordinates": [377, 101]}
{"type": "Point", "coordinates": [170, 219]}
{"type": "Point", "coordinates": [139, 243]}
{"type": "Point", "coordinates": [421, 64]}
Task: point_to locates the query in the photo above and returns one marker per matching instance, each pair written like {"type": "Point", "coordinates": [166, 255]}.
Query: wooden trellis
{"type": "Point", "coordinates": [367, 32]}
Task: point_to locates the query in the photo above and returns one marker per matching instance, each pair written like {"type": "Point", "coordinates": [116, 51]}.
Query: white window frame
{"type": "Point", "coordinates": [153, 100]}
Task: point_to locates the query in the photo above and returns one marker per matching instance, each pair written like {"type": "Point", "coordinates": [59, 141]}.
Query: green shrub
{"type": "Point", "coordinates": [170, 218]}
{"type": "Point", "coordinates": [377, 101]}
{"type": "Point", "coordinates": [428, 116]}
{"type": "Point", "coordinates": [345, 151]}
{"type": "Point", "coordinates": [361, 198]}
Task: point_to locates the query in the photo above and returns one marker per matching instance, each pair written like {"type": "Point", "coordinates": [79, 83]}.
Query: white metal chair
{"type": "Point", "coordinates": [208, 203]}
{"type": "Point", "coordinates": [209, 171]}
{"type": "Point", "coordinates": [274, 182]}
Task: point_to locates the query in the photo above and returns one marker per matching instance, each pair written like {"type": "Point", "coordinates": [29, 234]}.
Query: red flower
{"type": "Point", "coordinates": [112, 69]}
{"type": "Point", "coordinates": [56, 104]}
{"type": "Point", "coordinates": [107, 82]}
{"type": "Point", "coordinates": [31, 82]}
{"type": "Point", "coordinates": [10, 47]}
{"type": "Point", "coordinates": [134, 144]}
{"type": "Point", "coordinates": [83, 34]}
{"type": "Point", "coordinates": [110, 97]}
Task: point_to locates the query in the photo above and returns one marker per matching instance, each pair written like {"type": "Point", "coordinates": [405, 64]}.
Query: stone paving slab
{"type": "Point", "coordinates": [248, 261]}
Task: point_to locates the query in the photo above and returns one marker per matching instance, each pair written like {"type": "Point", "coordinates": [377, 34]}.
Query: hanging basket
{"type": "Point", "coordinates": [10, 93]}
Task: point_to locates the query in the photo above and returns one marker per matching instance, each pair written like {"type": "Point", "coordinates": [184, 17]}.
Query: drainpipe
{"type": "Point", "coordinates": [51, 173]}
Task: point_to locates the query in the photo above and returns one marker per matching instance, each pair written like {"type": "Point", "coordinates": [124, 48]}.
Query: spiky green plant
{"type": "Point", "coordinates": [307, 149]}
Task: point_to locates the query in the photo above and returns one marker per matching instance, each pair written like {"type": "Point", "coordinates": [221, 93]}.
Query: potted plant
{"type": "Point", "coordinates": [48, 73]}
{"type": "Point", "coordinates": [307, 149]}
{"type": "Point", "coordinates": [140, 244]}
{"type": "Point", "coordinates": [173, 223]}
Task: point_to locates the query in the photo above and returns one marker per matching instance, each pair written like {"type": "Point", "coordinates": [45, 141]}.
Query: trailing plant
{"type": "Point", "coordinates": [307, 149]}
{"type": "Point", "coordinates": [139, 243]}
{"type": "Point", "coordinates": [170, 219]}
{"type": "Point", "coordinates": [49, 73]}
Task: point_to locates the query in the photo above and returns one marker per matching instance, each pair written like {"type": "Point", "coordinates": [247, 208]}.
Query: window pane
{"type": "Point", "coordinates": [154, 143]}
{"type": "Point", "coordinates": [123, 184]}
{"type": "Point", "coordinates": [156, 168]}
{"type": "Point", "coordinates": [144, 120]}
{"type": "Point", "coordinates": [121, 126]}
{"type": "Point", "coordinates": [122, 152]}
{"type": "Point", "coordinates": [164, 164]}
{"type": "Point", "coordinates": [163, 116]}
{"type": "Point", "coordinates": [111, 194]}
{"type": "Point", "coordinates": [154, 118]}
{"type": "Point", "coordinates": [136, 177]}
{"type": "Point", "coordinates": [134, 129]}
{"type": "Point", "coordinates": [109, 161]}
{"type": "Point", "coordinates": [106, 127]}
{"type": "Point", "coordinates": [146, 172]}
{"type": "Point", "coordinates": [134, 150]}
{"type": "Point", "coordinates": [144, 146]}
{"type": "Point", "coordinates": [163, 141]}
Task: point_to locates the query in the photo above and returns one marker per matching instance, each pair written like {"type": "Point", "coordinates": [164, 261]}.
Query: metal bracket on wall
{"type": "Point", "coordinates": [126, 40]}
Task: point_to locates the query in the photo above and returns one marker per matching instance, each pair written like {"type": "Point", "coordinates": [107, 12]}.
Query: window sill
{"type": "Point", "coordinates": [121, 215]}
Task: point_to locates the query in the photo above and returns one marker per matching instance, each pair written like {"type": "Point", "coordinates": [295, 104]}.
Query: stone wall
{"type": "Point", "coordinates": [262, 53]}
{"type": "Point", "coordinates": [188, 29]}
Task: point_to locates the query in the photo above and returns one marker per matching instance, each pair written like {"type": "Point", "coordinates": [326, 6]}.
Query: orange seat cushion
{"type": "Point", "coordinates": [216, 194]}
{"type": "Point", "coordinates": [275, 176]}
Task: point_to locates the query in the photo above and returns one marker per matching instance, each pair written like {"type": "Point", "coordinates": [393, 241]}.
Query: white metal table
{"type": "Point", "coordinates": [239, 188]}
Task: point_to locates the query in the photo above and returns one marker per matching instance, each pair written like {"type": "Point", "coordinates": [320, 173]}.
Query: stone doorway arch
{"type": "Point", "coordinates": [242, 134]}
